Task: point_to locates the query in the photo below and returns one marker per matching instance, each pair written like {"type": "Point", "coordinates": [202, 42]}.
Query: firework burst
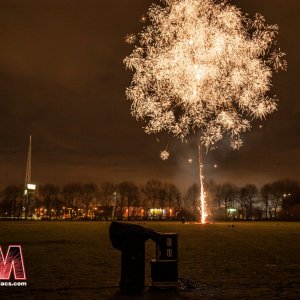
{"type": "Point", "coordinates": [164, 155]}
{"type": "Point", "coordinates": [203, 66]}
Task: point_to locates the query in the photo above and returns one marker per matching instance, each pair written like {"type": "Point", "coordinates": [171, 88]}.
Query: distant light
{"type": "Point", "coordinates": [190, 161]}
{"type": "Point", "coordinates": [215, 166]}
{"type": "Point", "coordinates": [143, 19]}
{"type": "Point", "coordinates": [31, 186]}
{"type": "Point", "coordinates": [156, 211]}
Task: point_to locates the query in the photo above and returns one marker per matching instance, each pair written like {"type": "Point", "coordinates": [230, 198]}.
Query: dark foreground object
{"type": "Point", "coordinates": [130, 239]}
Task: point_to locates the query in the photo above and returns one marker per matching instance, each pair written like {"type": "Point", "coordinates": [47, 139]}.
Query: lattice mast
{"type": "Point", "coordinates": [28, 165]}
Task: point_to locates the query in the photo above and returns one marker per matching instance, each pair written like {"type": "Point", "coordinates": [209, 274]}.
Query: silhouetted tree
{"type": "Point", "coordinates": [151, 190]}
{"type": "Point", "coordinates": [128, 194]}
{"type": "Point", "coordinates": [277, 192]}
{"type": "Point", "coordinates": [290, 199]}
{"type": "Point", "coordinates": [249, 193]}
{"type": "Point", "coordinates": [211, 189]}
{"type": "Point", "coordinates": [71, 193]}
{"type": "Point", "coordinates": [88, 192]}
{"type": "Point", "coordinates": [162, 195]}
{"type": "Point", "coordinates": [266, 195]}
{"type": "Point", "coordinates": [108, 194]}
{"type": "Point", "coordinates": [5, 206]}
{"type": "Point", "coordinates": [173, 197]}
{"type": "Point", "coordinates": [192, 200]}
{"type": "Point", "coordinates": [228, 193]}
{"type": "Point", "coordinates": [12, 199]}
{"type": "Point", "coordinates": [48, 194]}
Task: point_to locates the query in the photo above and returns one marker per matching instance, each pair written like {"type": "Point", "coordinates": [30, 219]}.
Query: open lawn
{"type": "Point", "coordinates": [75, 260]}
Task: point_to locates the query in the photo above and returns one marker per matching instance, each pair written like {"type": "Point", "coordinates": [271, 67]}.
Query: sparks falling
{"type": "Point", "coordinates": [202, 65]}
{"type": "Point", "coordinates": [202, 202]}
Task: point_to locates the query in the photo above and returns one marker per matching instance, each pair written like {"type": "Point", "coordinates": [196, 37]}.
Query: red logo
{"type": "Point", "coordinates": [13, 261]}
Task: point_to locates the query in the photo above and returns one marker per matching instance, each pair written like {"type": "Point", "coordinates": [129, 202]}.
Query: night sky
{"type": "Point", "coordinates": [63, 81]}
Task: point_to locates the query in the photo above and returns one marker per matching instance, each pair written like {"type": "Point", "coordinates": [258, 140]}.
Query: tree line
{"type": "Point", "coordinates": [277, 200]}
{"type": "Point", "coordinates": [153, 200]}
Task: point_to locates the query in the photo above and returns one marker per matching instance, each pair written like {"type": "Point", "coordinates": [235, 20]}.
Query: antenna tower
{"type": "Point", "coordinates": [28, 166]}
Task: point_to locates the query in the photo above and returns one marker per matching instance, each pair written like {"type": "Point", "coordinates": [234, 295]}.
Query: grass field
{"type": "Point", "coordinates": [75, 260]}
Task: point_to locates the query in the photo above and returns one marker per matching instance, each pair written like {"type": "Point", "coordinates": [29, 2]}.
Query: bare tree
{"type": "Point", "coordinates": [277, 192]}
{"type": "Point", "coordinates": [211, 189]}
{"type": "Point", "coordinates": [88, 193]}
{"type": "Point", "coordinates": [192, 199]}
{"type": "Point", "coordinates": [218, 193]}
{"type": "Point", "coordinates": [228, 192]}
{"type": "Point", "coordinates": [128, 193]}
{"type": "Point", "coordinates": [291, 201]}
{"type": "Point", "coordinates": [266, 194]}
{"type": "Point", "coordinates": [5, 206]}
{"type": "Point", "coordinates": [48, 194]}
{"type": "Point", "coordinates": [71, 195]}
{"type": "Point", "coordinates": [282, 190]}
{"type": "Point", "coordinates": [12, 197]}
{"type": "Point", "coordinates": [247, 199]}
{"type": "Point", "coordinates": [162, 195]}
{"type": "Point", "coordinates": [173, 197]}
{"type": "Point", "coordinates": [151, 190]}
{"type": "Point", "coordinates": [108, 192]}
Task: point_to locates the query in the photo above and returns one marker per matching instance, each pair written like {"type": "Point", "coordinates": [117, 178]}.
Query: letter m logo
{"type": "Point", "coordinates": [13, 261]}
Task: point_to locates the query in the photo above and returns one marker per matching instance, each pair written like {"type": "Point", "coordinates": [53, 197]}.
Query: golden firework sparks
{"type": "Point", "coordinates": [202, 65]}
{"type": "Point", "coordinates": [164, 155]}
